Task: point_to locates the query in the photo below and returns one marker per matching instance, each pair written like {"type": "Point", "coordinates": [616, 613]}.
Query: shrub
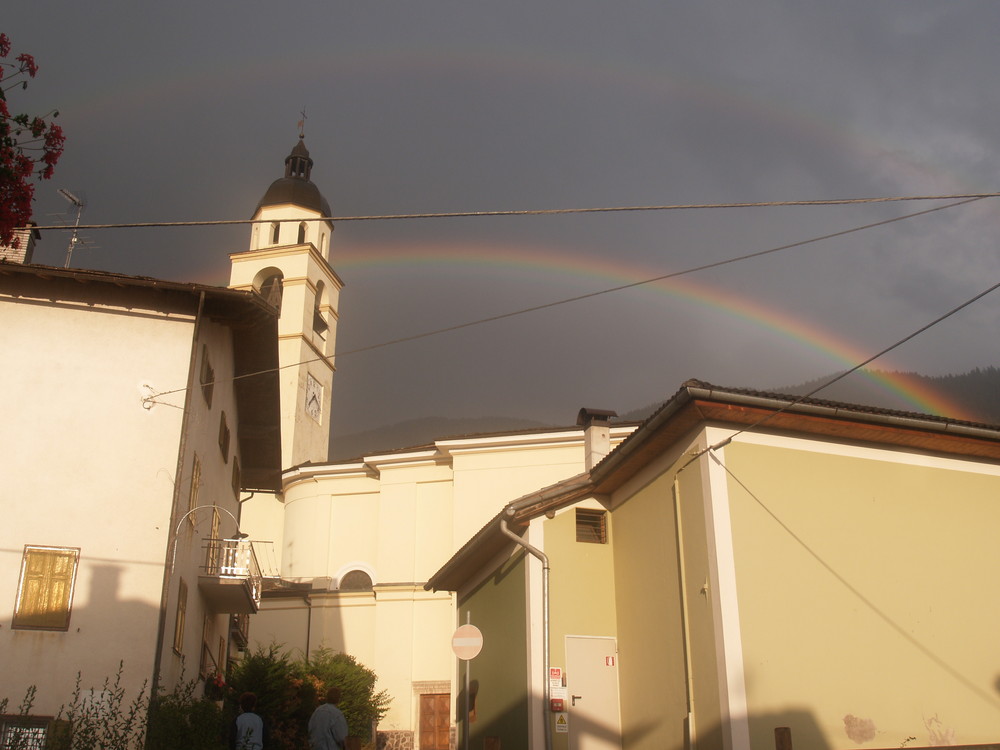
{"type": "Point", "coordinates": [284, 700]}
{"type": "Point", "coordinates": [288, 691]}
{"type": "Point", "coordinates": [362, 706]}
{"type": "Point", "coordinates": [183, 719]}
{"type": "Point", "coordinates": [106, 720]}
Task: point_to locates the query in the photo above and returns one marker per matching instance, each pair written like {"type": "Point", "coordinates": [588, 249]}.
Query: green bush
{"type": "Point", "coordinates": [91, 720]}
{"type": "Point", "coordinates": [183, 719]}
{"type": "Point", "coordinates": [288, 691]}
{"type": "Point", "coordinates": [108, 721]}
{"type": "Point", "coordinates": [284, 700]}
{"type": "Point", "coordinates": [361, 705]}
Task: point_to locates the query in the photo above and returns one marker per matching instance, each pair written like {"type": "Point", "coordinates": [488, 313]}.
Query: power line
{"type": "Point", "coordinates": [841, 376]}
{"type": "Point", "coordinates": [545, 211]}
{"type": "Point", "coordinates": [622, 287]}
{"type": "Point", "coordinates": [905, 633]}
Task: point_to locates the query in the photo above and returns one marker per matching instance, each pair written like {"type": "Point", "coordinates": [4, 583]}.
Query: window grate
{"type": "Point", "coordinates": [591, 526]}
{"type": "Point", "coordinates": [23, 733]}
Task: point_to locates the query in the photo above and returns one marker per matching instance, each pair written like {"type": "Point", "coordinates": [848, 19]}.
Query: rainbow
{"type": "Point", "coordinates": [136, 90]}
{"type": "Point", "coordinates": [558, 262]}
{"type": "Point", "coordinates": [273, 71]}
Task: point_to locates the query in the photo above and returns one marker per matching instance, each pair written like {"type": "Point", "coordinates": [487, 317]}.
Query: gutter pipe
{"type": "Point", "coordinates": [510, 511]}
{"type": "Point", "coordinates": [690, 732]}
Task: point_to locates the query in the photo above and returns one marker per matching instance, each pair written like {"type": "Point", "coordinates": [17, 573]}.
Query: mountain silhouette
{"type": "Point", "coordinates": [977, 392]}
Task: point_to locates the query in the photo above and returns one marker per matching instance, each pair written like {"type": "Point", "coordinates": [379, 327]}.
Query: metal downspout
{"type": "Point", "coordinates": [545, 621]}
{"type": "Point", "coordinates": [309, 623]}
{"type": "Point", "coordinates": [690, 734]}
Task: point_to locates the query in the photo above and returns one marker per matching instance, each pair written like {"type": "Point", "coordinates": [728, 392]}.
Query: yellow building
{"type": "Point", "coordinates": [740, 563]}
{"type": "Point", "coordinates": [360, 539]}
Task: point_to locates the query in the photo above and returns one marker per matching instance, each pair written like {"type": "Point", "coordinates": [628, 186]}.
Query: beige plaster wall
{"type": "Point", "coordinates": [401, 516]}
{"type": "Point", "coordinates": [494, 474]}
{"type": "Point", "coordinates": [581, 582]}
{"type": "Point", "coordinates": [651, 666]}
{"type": "Point", "coordinates": [87, 466]}
{"type": "Point", "coordinates": [868, 605]}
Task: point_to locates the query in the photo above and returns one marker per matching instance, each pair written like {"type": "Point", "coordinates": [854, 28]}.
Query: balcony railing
{"type": "Point", "coordinates": [231, 580]}
{"type": "Point", "coordinates": [239, 629]}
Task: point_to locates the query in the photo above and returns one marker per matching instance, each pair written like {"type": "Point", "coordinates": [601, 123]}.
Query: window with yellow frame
{"type": "Point", "coordinates": [45, 588]}
{"type": "Point", "coordinates": [180, 616]}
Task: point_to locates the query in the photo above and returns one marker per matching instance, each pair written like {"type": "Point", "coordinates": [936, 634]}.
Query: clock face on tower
{"type": "Point", "coordinates": [314, 398]}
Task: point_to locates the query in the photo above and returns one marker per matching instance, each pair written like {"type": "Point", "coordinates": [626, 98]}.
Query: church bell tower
{"type": "Point", "coordinates": [289, 264]}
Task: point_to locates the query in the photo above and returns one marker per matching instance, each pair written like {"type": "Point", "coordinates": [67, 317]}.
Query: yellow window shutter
{"type": "Point", "coordinates": [46, 590]}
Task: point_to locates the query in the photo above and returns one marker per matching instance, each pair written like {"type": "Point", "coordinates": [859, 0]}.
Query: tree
{"type": "Point", "coordinates": [284, 699]}
{"type": "Point", "coordinates": [361, 705]}
{"type": "Point", "coordinates": [26, 142]}
{"type": "Point", "coordinates": [288, 691]}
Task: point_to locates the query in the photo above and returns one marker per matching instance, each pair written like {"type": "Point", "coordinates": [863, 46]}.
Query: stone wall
{"type": "Point", "coordinates": [402, 740]}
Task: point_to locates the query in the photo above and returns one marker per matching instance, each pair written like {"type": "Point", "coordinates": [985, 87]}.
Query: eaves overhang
{"type": "Point", "coordinates": [251, 319]}
{"type": "Point", "coordinates": [490, 541]}
{"type": "Point", "coordinates": [698, 403]}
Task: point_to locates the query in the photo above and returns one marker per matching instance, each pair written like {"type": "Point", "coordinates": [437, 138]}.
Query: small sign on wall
{"type": "Point", "coordinates": [562, 723]}
{"type": "Point", "coordinates": [609, 661]}
{"type": "Point", "coordinates": [555, 677]}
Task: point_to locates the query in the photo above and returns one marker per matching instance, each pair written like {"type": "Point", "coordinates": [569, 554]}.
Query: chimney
{"type": "Point", "coordinates": [25, 237]}
{"type": "Point", "coordinates": [596, 425]}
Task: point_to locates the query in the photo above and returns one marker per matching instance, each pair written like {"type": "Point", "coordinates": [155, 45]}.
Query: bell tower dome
{"type": "Point", "coordinates": [288, 263]}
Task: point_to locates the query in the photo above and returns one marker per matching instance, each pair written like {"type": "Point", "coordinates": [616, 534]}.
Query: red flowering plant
{"type": "Point", "coordinates": [27, 142]}
{"type": "Point", "coordinates": [215, 686]}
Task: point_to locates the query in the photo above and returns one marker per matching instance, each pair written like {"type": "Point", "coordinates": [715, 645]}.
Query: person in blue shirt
{"type": "Point", "coordinates": [247, 730]}
{"type": "Point", "coordinates": [327, 725]}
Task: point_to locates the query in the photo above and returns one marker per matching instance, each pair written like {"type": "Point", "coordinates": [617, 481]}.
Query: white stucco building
{"type": "Point", "coordinates": [125, 386]}
{"type": "Point", "coordinates": [355, 541]}
{"type": "Point", "coordinates": [126, 447]}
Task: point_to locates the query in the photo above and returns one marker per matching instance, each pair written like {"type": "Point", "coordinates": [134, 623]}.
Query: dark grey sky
{"type": "Point", "coordinates": [185, 111]}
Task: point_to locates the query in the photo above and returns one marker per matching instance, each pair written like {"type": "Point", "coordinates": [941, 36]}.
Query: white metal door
{"type": "Point", "coordinates": [592, 687]}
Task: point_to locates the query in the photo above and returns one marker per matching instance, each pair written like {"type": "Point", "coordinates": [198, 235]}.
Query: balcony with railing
{"type": "Point", "coordinates": [239, 630]}
{"type": "Point", "coordinates": [231, 581]}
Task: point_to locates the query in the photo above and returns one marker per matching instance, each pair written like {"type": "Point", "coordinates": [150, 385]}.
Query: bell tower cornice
{"type": "Point", "coordinates": [288, 263]}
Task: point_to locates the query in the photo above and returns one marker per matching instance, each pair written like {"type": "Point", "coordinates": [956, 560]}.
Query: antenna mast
{"type": "Point", "coordinates": [79, 210]}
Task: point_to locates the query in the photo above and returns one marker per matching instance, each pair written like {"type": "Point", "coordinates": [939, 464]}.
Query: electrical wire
{"type": "Point", "coordinates": [540, 212]}
{"type": "Point", "coordinates": [841, 376]}
{"type": "Point", "coordinates": [523, 311]}
{"type": "Point", "coordinates": [892, 624]}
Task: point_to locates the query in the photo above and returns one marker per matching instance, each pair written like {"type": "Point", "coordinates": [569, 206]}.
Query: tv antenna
{"type": "Point", "coordinates": [79, 210]}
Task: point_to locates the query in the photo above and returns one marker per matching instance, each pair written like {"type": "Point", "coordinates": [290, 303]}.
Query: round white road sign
{"type": "Point", "coordinates": [467, 642]}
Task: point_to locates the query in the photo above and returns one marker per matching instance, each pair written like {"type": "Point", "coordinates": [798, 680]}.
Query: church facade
{"type": "Point", "coordinates": [355, 542]}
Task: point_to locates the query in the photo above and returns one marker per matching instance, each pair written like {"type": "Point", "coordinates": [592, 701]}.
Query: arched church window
{"type": "Point", "coordinates": [275, 232]}
{"type": "Point", "coordinates": [320, 326]}
{"type": "Point", "coordinates": [302, 234]}
{"type": "Point", "coordinates": [356, 580]}
{"type": "Point", "coordinates": [270, 290]}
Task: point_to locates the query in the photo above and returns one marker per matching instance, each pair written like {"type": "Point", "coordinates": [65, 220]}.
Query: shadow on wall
{"type": "Point", "coordinates": [805, 732]}
{"type": "Point", "coordinates": [507, 723]}
{"type": "Point", "coordinates": [509, 727]}
{"type": "Point", "coordinates": [99, 639]}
